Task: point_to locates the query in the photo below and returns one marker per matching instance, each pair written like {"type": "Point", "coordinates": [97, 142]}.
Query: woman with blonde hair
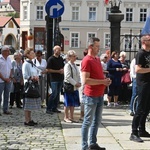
{"type": "Point", "coordinates": [72, 76]}
{"type": "Point", "coordinates": [30, 72]}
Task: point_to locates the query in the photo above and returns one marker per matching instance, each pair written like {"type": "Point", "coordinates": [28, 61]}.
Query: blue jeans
{"type": "Point", "coordinates": [93, 107]}
{"type": "Point", "coordinates": [134, 93]}
{"type": "Point", "coordinates": [5, 87]}
{"type": "Point", "coordinates": [55, 96]}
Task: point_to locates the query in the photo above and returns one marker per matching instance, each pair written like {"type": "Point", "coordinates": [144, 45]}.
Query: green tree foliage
{"type": "Point", "coordinates": [14, 14]}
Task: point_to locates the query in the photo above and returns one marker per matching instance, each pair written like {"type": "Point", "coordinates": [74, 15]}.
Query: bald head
{"type": "Point", "coordinates": [57, 50]}
{"type": "Point", "coordinates": [57, 47]}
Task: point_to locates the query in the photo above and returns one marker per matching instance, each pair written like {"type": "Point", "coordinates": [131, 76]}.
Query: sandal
{"type": "Point", "coordinates": [67, 121]}
{"type": "Point", "coordinates": [74, 121]}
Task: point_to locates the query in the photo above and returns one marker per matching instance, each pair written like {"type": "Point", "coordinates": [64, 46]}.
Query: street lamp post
{"type": "Point", "coordinates": [115, 17]}
{"type": "Point", "coordinates": [18, 38]}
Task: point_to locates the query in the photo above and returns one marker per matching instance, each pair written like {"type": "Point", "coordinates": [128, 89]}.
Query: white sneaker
{"type": "Point", "coordinates": [109, 104]}
{"type": "Point", "coordinates": [116, 104]}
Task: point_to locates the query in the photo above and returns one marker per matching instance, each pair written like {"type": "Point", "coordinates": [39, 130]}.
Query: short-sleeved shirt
{"type": "Point", "coordinates": [143, 59]}
{"type": "Point", "coordinates": [94, 67]}
{"type": "Point", "coordinates": [55, 63]}
{"type": "Point", "coordinates": [5, 67]}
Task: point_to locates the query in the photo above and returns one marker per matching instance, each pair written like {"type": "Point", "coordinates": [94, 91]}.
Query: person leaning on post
{"type": "Point", "coordinates": [55, 66]}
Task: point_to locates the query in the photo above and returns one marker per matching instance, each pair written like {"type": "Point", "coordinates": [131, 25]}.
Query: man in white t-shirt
{"type": "Point", "coordinates": [5, 78]}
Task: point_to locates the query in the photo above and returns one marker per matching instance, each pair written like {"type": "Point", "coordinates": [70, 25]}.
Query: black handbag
{"type": "Point", "coordinates": [68, 87]}
{"type": "Point", "coordinates": [31, 89]}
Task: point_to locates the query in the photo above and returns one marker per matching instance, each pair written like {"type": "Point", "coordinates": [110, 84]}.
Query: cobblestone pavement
{"type": "Point", "coordinates": [47, 135]}
{"type": "Point", "coordinates": [52, 133]}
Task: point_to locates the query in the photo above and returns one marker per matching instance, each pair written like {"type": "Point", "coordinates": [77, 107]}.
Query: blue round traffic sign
{"type": "Point", "coordinates": [54, 8]}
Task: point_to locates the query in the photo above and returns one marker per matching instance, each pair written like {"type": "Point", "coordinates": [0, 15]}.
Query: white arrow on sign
{"type": "Point", "coordinates": [58, 7]}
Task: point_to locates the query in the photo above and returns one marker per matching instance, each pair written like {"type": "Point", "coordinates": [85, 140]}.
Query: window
{"type": "Point", "coordinates": [39, 13]}
{"type": "Point", "coordinates": [143, 14]}
{"type": "Point", "coordinates": [75, 13]}
{"type": "Point", "coordinates": [39, 40]}
{"type": "Point", "coordinates": [129, 14]}
{"type": "Point", "coordinates": [75, 40]}
{"type": "Point", "coordinates": [92, 13]}
{"type": "Point", "coordinates": [90, 35]}
{"type": "Point", "coordinates": [107, 12]}
{"type": "Point", "coordinates": [107, 40]}
{"type": "Point", "coordinates": [25, 14]}
{"type": "Point", "coordinates": [10, 24]}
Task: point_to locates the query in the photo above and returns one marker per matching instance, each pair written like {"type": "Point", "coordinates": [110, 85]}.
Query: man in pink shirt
{"type": "Point", "coordinates": [94, 86]}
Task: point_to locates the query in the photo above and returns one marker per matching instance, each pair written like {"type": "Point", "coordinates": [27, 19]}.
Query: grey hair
{"type": "Point", "coordinates": [92, 40]}
{"type": "Point", "coordinates": [70, 53]}
{"type": "Point", "coordinates": [122, 54]}
{"type": "Point", "coordinates": [103, 56]}
{"type": "Point", "coordinates": [5, 47]}
{"type": "Point", "coordinates": [16, 54]}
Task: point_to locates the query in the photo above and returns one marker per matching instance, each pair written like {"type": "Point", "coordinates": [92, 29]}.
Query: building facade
{"type": "Point", "coordinates": [8, 7]}
{"type": "Point", "coordinates": [10, 32]}
{"type": "Point", "coordinates": [81, 20]}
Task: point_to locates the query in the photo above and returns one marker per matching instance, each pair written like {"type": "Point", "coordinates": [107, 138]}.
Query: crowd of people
{"type": "Point", "coordinates": [96, 76]}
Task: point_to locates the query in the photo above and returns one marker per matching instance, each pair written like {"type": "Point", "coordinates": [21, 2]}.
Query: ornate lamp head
{"type": "Point", "coordinates": [114, 6]}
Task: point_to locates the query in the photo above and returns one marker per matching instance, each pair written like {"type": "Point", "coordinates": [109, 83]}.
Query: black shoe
{"type": "Point", "coordinates": [35, 123]}
{"type": "Point", "coordinates": [19, 107]}
{"type": "Point", "coordinates": [144, 134]}
{"type": "Point", "coordinates": [56, 110]}
{"type": "Point", "coordinates": [96, 147]}
{"type": "Point", "coordinates": [29, 123]}
{"type": "Point", "coordinates": [49, 112]}
{"type": "Point", "coordinates": [7, 113]}
{"type": "Point", "coordinates": [132, 114]}
{"type": "Point", "coordinates": [135, 138]}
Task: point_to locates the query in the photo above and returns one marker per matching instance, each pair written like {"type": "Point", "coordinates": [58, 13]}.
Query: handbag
{"type": "Point", "coordinates": [68, 87]}
{"type": "Point", "coordinates": [126, 78]}
{"type": "Point", "coordinates": [31, 89]}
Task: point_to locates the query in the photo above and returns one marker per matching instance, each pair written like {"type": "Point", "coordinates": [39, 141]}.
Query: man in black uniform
{"type": "Point", "coordinates": [142, 69]}
{"type": "Point", "coordinates": [55, 66]}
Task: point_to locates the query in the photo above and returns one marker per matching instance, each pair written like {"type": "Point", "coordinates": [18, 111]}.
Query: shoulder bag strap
{"type": "Point", "coordinates": [71, 70]}
{"type": "Point", "coordinates": [34, 65]}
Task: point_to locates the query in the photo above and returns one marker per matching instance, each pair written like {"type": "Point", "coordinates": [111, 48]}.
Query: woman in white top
{"type": "Point", "coordinates": [41, 65]}
{"type": "Point", "coordinates": [29, 71]}
{"type": "Point", "coordinates": [72, 76]}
